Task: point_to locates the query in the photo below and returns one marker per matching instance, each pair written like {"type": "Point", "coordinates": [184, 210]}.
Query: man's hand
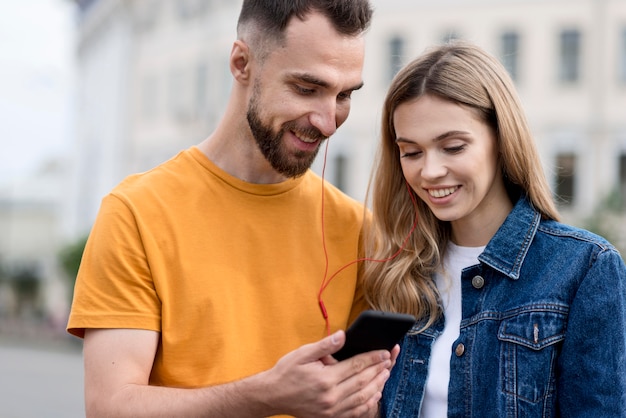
{"type": "Point", "coordinates": [309, 382]}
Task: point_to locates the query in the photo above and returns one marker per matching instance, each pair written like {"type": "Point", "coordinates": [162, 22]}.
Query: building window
{"type": "Point", "coordinates": [450, 36]}
{"type": "Point", "coordinates": [396, 52]}
{"type": "Point", "coordinates": [145, 14]}
{"type": "Point", "coordinates": [565, 178]}
{"type": "Point", "coordinates": [149, 97]}
{"type": "Point", "coordinates": [201, 88]}
{"type": "Point", "coordinates": [188, 9]}
{"type": "Point", "coordinates": [181, 99]}
{"type": "Point", "coordinates": [569, 69]}
{"type": "Point", "coordinates": [622, 57]}
{"type": "Point", "coordinates": [622, 178]}
{"type": "Point", "coordinates": [175, 92]}
{"type": "Point", "coordinates": [341, 172]}
{"type": "Point", "coordinates": [509, 55]}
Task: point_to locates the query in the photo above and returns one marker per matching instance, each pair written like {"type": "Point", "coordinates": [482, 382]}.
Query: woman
{"type": "Point", "coordinates": [519, 315]}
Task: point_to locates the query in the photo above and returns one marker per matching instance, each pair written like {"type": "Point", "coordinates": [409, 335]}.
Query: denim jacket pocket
{"type": "Point", "coordinates": [530, 343]}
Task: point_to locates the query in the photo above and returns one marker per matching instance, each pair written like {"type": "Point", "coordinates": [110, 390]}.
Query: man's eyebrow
{"type": "Point", "coordinates": [437, 138]}
{"type": "Point", "coordinates": [311, 79]}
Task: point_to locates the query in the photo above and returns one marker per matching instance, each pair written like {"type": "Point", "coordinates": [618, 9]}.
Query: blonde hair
{"type": "Point", "coordinates": [462, 73]}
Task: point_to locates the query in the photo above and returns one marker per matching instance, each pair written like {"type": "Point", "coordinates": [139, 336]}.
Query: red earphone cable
{"type": "Point", "coordinates": [326, 282]}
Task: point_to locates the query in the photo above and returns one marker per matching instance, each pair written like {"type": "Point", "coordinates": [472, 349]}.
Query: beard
{"type": "Point", "coordinates": [271, 143]}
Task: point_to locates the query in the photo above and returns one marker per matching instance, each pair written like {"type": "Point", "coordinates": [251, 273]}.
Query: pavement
{"type": "Point", "coordinates": [41, 372]}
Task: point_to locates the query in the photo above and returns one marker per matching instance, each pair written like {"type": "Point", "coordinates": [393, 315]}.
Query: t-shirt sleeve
{"type": "Point", "coordinates": [114, 287]}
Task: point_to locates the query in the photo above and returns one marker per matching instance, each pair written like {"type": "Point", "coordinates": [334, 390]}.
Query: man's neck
{"type": "Point", "coordinates": [240, 157]}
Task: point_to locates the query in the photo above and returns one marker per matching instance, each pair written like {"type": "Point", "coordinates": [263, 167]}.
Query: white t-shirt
{"type": "Point", "coordinates": [435, 403]}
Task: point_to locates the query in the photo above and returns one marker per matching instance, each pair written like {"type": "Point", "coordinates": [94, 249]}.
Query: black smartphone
{"type": "Point", "coordinates": [374, 330]}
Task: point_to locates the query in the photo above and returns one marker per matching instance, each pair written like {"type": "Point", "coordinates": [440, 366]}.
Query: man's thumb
{"type": "Point", "coordinates": [326, 346]}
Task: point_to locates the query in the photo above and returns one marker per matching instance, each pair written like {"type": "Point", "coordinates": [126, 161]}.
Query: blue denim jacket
{"type": "Point", "coordinates": [543, 332]}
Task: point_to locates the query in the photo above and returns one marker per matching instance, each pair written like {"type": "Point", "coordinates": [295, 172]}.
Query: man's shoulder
{"type": "Point", "coordinates": [170, 174]}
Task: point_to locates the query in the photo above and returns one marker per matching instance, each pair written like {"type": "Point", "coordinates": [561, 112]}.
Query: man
{"type": "Point", "coordinates": [200, 289]}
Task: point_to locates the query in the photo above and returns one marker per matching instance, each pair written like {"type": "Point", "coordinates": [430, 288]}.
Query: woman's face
{"type": "Point", "coordinates": [449, 157]}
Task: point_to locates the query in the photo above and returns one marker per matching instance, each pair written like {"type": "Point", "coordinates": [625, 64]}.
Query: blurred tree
{"type": "Point", "coordinates": [26, 284]}
{"type": "Point", "coordinates": [70, 257]}
{"type": "Point", "coordinates": [607, 220]}
{"type": "Point", "coordinates": [3, 273]}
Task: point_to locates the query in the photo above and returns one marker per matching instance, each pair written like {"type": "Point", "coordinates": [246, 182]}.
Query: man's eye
{"type": "Point", "coordinates": [346, 95]}
{"type": "Point", "coordinates": [304, 90]}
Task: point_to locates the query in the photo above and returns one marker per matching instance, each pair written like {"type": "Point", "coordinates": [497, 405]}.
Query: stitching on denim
{"type": "Point", "coordinates": [499, 316]}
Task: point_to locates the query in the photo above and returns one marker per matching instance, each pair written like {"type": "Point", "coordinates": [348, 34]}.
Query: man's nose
{"type": "Point", "coordinates": [324, 117]}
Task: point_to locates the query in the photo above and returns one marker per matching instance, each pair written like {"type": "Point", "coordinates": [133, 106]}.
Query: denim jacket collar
{"type": "Point", "coordinates": [507, 250]}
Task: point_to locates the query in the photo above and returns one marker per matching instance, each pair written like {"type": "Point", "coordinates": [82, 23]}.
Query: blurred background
{"type": "Point", "coordinates": [94, 90]}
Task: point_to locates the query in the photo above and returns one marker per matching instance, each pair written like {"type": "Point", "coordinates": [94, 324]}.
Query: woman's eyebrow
{"type": "Point", "coordinates": [437, 138]}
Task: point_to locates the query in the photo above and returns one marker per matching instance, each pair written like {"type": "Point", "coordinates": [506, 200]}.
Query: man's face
{"type": "Point", "coordinates": [302, 93]}
{"type": "Point", "coordinates": [270, 141]}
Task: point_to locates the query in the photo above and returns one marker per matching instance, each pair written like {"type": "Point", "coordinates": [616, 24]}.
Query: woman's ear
{"type": "Point", "coordinates": [240, 61]}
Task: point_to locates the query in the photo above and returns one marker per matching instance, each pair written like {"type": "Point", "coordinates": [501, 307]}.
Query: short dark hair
{"type": "Point", "coordinates": [271, 17]}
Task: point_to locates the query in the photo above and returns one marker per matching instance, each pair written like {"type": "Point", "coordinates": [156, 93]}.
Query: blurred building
{"type": "Point", "coordinates": [154, 78]}
{"type": "Point", "coordinates": [568, 60]}
{"type": "Point", "coordinates": [32, 285]}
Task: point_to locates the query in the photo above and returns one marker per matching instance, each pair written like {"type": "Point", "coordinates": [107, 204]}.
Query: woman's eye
{"type": "Point", "coordinates": [409, 154]}
{"type": "Point", "coordinates": [455, 150]}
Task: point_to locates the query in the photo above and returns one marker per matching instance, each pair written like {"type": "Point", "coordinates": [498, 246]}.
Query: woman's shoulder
{"type": "Point", "coordinates": [573, 235]}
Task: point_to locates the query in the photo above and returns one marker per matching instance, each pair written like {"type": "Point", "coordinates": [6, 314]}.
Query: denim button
{"type": "Point", "coordinates": [478, 282]}
{"type": "Point", "coordinates": [459, 350]}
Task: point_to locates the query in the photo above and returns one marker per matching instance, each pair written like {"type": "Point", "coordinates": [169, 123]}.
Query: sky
{"type": "Point", "coordinates": [36, 82]}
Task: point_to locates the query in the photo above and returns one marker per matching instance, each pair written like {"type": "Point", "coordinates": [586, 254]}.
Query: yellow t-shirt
{"type": "Point", "coordinates": [227, 271]}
